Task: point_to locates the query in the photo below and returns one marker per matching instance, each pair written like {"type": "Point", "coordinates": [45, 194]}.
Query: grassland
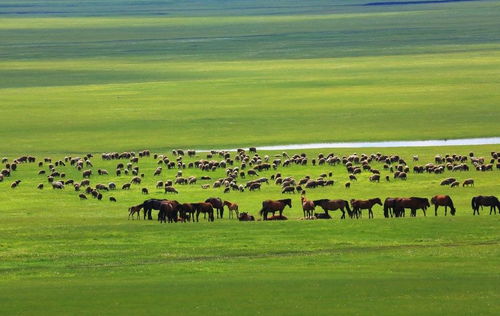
{"type": "Point", "coordinates": [119, 82]}
{"type": "Point", "coordinates": [65, 255]}
{"type": "Point", "coordinates": [109, 75]}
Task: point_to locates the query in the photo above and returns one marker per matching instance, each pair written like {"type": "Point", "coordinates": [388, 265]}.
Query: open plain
{"type": "Point", "coordinates": [115, 76]}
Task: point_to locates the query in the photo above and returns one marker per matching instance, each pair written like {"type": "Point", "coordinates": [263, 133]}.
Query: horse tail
{"type": "Point", "coordinates": [386, 209]}
{"type": "Point", "coordinates": [262, 210]}
{"type": "Point", "coordinates": [319, 202]}
{"type": "Point", "coordinates": [473, 203]}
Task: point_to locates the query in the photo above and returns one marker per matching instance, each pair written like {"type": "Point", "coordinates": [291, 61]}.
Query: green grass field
{"type": "Point", "coordinates": [109, 75]}
{"type": "Point", "coordinates": [64, 255]}
{"type": "Point", "coordinates": [79, 81]}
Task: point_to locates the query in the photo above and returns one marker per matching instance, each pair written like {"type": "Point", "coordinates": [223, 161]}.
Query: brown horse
{"type": "Point", "coordinates": [358, 205]}
{"type": "Point", "coordinates": [272, 206]}
{"type": "Point", "coordinates": [205, 208]}
{"type": "Point", "coordinates": [232, 207]}
{"type": "Point", "coordinates": [218, 205]}
{"type": "Point", "coordinates": [443, 200]}
{"type": "Point", "coordinates": [307, 207]}
{"type": "Point", "coordinates": [187, 211]}
{"type": "Point", "coordinates": [333, 205]}
{"type": "Point", "coordinates": [413, 203]}
{"type": "Point", "coordinates": [168, 211]}
{"type": "Point", "coordinates": [480, 201]}
{"type": "Point", "coordinates": [134, 209]}
{"type": "Point", "coordinates": [245, 217]}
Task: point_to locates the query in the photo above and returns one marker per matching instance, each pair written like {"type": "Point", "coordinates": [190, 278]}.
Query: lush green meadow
{"type": "Point", "coordinates": [79, 81]}
{"type": "Point", "coordinates": [113, 75]}
{"type": "Point", "coordinates": [64, 255]}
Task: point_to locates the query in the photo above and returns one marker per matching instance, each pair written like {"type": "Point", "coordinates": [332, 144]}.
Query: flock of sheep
{"type": "Point", "coordinates": [242, 170]}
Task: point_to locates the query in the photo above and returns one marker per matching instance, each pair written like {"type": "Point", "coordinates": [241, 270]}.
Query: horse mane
{"type": "Point", "coordinates": [419, 198]}
{"type": "Point", "coordinates": [285, 200]}
{"type": "Point", "coordinates": [319, 202]}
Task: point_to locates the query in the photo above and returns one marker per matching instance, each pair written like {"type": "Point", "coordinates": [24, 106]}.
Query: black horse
{"type": "Point", "coordinates": [271, 206]}
{"type": "Point", "coordinates": [480, 201]}
{"type": "Point", "coordinates": [149, 205]}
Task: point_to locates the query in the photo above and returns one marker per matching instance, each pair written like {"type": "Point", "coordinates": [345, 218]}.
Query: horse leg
{"type": "Point", "coordinates": [424, 211]}
{"type": "Point", "coordinates": [445, 210]}
{"type": "Point", "coordinates": [343, 214]}
{"type": "Point", "coordinates": [370, 213]}
{"type": "Point", "coordinates": [237, 213]}
{"type": "Point", "coordinates": [150, 217]}
{"type": "Point", "coordinates": [435, 210]}
{"type": "Point", "coordinates": [197, 216]}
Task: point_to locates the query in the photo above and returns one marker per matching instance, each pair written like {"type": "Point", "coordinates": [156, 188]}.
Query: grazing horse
{"type": "Point", "coordinates": [168, 211]}
{"type": "Point", "coordinates": [218, 205]}
{"type": "Point", "coordinates": [480, 201]}
{"type": "Point", "coordinates": [358, 205]}
{"type": "Point", "coordinates": [205, 208]}
{"type": "Point", "coordinates": [135, 209]}
{"type": "Point", "coordinates": [149, 205]}
{"type": "Point", "coordinates": [307, 207]}
{"type": "Point", "coordinates": [333, 205]}
{"type": "Point", "coordinates": [232, 207]}
{"type": "Point", "coordinates": [413, 203]}
{"type": "Point", "coordinates": [272, 206]}
{"type": "Point", "coordinates": [443, 200]}
{"type": "Point", "coordinates": [187, 208]}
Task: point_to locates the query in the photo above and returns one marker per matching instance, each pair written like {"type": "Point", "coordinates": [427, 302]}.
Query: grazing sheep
{"type": "Point", "coordinates": [57, 185]}
{"type": "Point", "coordinates": [82, 196]}
{"type": "Point", "coordinates": [455, 184]}
{"type": "Point", "coordinates": [205, 186]}
{"type": "Point", "coordinates": [15, 184]}
{"type": "Point", "coordinates": [126, 186]}
{"type": "Point", "coordinates": [254, 186]}
{"type": "Point", "coordinates": [76, 186]}
{"type": "Point", "coordinates": [347, 185]}
{"type": "Point", "coordinates": [99, 196]}
{"type": "Point", "coordinates": [252, 173]}
{"type": "Point", "coordinates": [468, 182]}
{"type": "Point", "coordinates": [157, 171]}
{"type": "Point", "coordinates": [87, 173]}
{"type": "Point", "coordinates": [112, 199]}
{"type": "Point", "coordinates": [112, 186]}
{"type": "Point", "coordinates": [145, 191]}
{"type": "Point", "coordinates": [289, 189]}
{"type": "Point", "coordinates": [171, 190]}
{"type": "Point", "coordinates": [40, 186]}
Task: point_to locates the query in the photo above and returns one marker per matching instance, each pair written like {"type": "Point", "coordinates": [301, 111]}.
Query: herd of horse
{"type": "Point", "coordinates": [174, 211]}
